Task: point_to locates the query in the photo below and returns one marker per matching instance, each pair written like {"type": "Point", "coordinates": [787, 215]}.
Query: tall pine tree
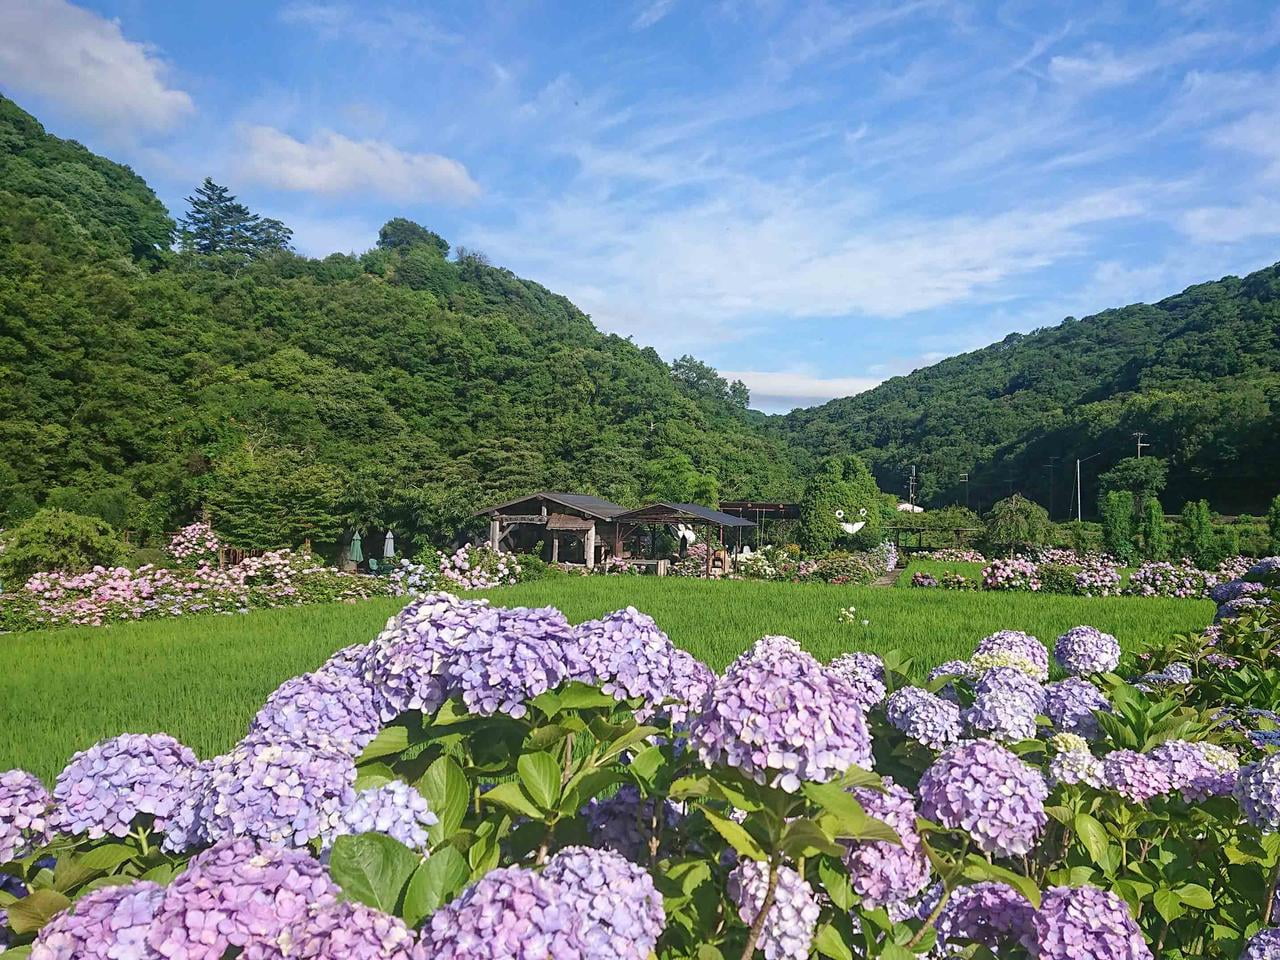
{"type": "Point", "coordinates": [218, 223]}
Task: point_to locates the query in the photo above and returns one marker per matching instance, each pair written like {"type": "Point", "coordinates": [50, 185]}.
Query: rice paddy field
{"type": "Point", "coordinates": [202, 678]}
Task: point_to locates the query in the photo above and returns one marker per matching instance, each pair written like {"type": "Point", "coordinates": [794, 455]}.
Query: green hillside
{"type": "Point", "coordinates": [294, 395]}
{"type": "Point", "coordinates": [1199, 373]}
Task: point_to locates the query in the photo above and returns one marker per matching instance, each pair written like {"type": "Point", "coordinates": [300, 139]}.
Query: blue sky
{"type": "Point", "coordinates": [812, 196]}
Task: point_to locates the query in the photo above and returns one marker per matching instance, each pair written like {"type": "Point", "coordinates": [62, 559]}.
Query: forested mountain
{"type": "Point", "coordinates": [1198, 373]}
{"type": "Point", "coordinates": [294, 396]}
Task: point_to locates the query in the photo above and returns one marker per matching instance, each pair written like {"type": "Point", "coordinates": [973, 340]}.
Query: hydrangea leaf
{"type": "Point", "coordinates": [372, 868]}
{"type": "Point", "coordinates": [434, 883]}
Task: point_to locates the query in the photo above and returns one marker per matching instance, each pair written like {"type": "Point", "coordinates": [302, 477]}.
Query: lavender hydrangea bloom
{"type": "Point", "coordinates": [1258, 791]}
{"type": "Point", "coordinates": [1236, 590]}
{"type": "Point", "coordinates": [1006, 681]}
{"type": "Point", "coordinates": [994, 915]}
{"type": "Point", "coordinates": [985, 789]}
{"type": "Point", "coordinates": [1075, 766]}
{"type": "Point", "coordinates": [511, 656]}
{"type": "Point", "coordinates": [340, 930]}
{"type": "Point", "coordinates": [404, 665]}
{"type": "Point", "coordinates": [275, 792]}
{"type": "Point", "coordinates": [321, 709]}
{"type": "Point", "coordinates": [1001, 715]}
{"type": "Point", "coordinates": [780, 718]}
{"type": "Point", "coordinates": [510, 912]}
{"type": "Point", "coordinates": [236, 894]}
{"type": "Point", "coordinates": [1263, 945]}
{"type": "Point", "coordinates": [621, 911]}
{"type": "Point", "coordinates": [1076, 922]}
{"type": "Point", "coordinates": [624, 822]}
{"type": "Point", "coordinates": [1266, 570]}
{"type": "Point", "coordinates": [1072, 704]}
{"type": "Point", "coordinates": [1135, 776]}
{"type": "Point", "coordinates": [790, 923]}
{"type": "Point", "coordinates": [394, 808]}
{"type": "Point", "coordinates": [1085, 650]}
{"type": "Point", "coordinates": [884, 873]}
{"type": "Point", "coordinates": [924, 717]}
{"type": "Point", "coordinates": [691, 684]}
{"type": "Point", "coordinates": [103, 789]}
{"type": "Point", "coordinates": [345, 662]}
{"type": "Point", "coordinates": [865, 673]}
{"type": "Point", "coordinates": [1198, 770]}
{"type": "Point", "coordinates": [106, 924]}
{"type": "Point", "coordinates": [1012, 648]}
{"type": "Point", "coordinates": [24, 814]}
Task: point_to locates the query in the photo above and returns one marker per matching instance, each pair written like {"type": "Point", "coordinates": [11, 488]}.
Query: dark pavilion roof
{"type": "Point", "coordinates": [682, 513]}
{"type": "Point", "coordinates": [582, 502]}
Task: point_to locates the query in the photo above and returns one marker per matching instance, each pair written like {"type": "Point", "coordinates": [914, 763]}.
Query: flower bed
{"type": "Point", "coordinates": [484, 782]}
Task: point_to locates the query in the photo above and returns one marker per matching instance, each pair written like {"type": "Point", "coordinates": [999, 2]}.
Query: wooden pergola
{"type": "Point", "coordinates": [690, 514]}
{"type": "Point", "coordinates": [565, 517]}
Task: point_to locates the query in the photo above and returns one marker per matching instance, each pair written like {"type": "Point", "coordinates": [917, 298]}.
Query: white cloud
{"type": "Point", "coordinates": [84, 63]}
{"type": "Point", "coordinates": [1258, 134]}
{"type": "Point", "coordinates": [1227, 224]}
{"type": "Point", "coordinates": [1101, 69]}
{"type": "Point", "coordinates": [332, 163]}
{"type": "Point", "coordinates": [652, 12]}
{"type": "Point", "coordinates": [779, 390]}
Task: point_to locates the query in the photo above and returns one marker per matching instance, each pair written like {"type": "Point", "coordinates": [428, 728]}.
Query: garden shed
{"type": "Point", "coordinates": [575, 527]}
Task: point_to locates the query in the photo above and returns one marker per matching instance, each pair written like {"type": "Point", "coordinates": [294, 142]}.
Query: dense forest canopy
{"type": "Point", "coordinates": [1197, 373]}
{"type": "Point", "coordinates": [151, 368]}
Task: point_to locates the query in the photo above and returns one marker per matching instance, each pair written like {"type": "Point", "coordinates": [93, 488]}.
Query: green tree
{"type": "Point", "coordinates": [398, 233]}
{"type": "Point", "coordinates": [218, 223]}
{"type": "Point", "coordinates": [1017, 523]}
{"type": "Point", "coordinates": [1143, 477]}
{"type": "Point", "coordinates": [1196, 539]}
{"type": "Point", "coordinates": [841, 492]}
{"type": "Point", "coordinates": [1273, 524]}
{"type": "Point", "coordinates": [1116, 512]}
{"type": "Point", "coordinates": [1153, 530]}
{"type": "Point", "coordinates": [58, 540]}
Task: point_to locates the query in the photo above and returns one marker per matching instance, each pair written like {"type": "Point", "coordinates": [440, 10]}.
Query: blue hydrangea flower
{"type": "Point", "coordinates": [1072, 706]}
{"type": "Point", "coordinates": [620, 909]}
{"type": "Point", "coordinates": [779, 717]}
{"type": "Point", "coordinates": [865, 673]}
{"type": "Point", "coordinates": [110, 923]}
{"type": "Point", "coordinates": [1135, 776]}
{"type": "Point", "coordinates": [1085, 650]}
{"type": "Point", "coordinates": [394, 808]}
{"type": "Point", "coordinates": [625, 823]}
{"type": "Point", "coordinates": [790, 923]}
{"type": "Point", "coordinates": [1001, 715]}
{"type": "Point", "coordinates": [105, 788]}
{"type": "Point", "coordinates": [1077, 922]}
{"type": "Point", "coordinates": [24, 814]}
{"type": "Point", "coordinates": [1008, 681]}
{"type": "Point", "coordinates": [340, 930]}
{"type": "Point", "coordinates": [991, 914]}
{"type": "Point", "coordinates": [1258, 791]}
{"type": "Point", "coordinates": [1198, 770]}
{"type": "Point", "coordinates": [324, 709]}
{"type": "Point", "coordinates": [924, 717]}
{"type": "Point", "coordinates": [1263, 945]}
{"type": "Point", "coordinates": [986, 790]}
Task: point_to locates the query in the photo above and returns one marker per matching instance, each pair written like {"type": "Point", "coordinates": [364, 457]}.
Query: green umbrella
{"type": "Point", "coordinates": [354, 552]}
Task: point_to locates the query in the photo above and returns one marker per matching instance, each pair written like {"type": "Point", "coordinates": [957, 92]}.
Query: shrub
{"type": "Point", "coordinates": [1196, 539]}
{"type": "Point", "coordinates": [1017, 523]}
{"type": "Point", "coordinates": [848, 568]}
{"type": "Point", "coordinates": [1057, 578]}
{"type": "Point", "coordinates": [1153, 530]}
{"type": "Point", "coordinates": [1273, 526]}
{"type": "Point", "coordinates": [1014, 573]}
{"type": "Point", "coordinates": [58, 540]}
{"type": "Point", "coordinates": [1116, 509]}
{"type": "Point", "coordinates": [841, 492]}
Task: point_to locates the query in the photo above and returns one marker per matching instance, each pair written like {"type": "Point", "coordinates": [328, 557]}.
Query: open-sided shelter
{"type": "Point", "coordinates": [577, 527]}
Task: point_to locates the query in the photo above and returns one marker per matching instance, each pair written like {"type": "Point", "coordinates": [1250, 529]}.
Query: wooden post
{"type": "Point", "coordinates": [555, 548]}
{"type": "Point", "coordinates": [589, 546]}
{"type": "Point", "coordinates": [495, 532]}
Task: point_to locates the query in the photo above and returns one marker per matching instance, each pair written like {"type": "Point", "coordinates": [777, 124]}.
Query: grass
{"type": "Point", "coordinates": [202, 678]}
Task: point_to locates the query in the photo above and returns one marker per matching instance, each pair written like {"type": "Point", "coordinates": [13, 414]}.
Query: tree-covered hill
{"type": "Point", "coordinates": [294, 396]}
{"type": "Point", "coordinates": [1198, 373]}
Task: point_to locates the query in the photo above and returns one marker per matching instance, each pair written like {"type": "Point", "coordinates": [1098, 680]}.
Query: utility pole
{"type": "Point", "coordinates": [964, 478]}
{"type": "Point", "coordinates": [1079, 494]}
{"type": "Point", "coordinates": [1138, 435]}
{"type": "Point", "coordinates": [1049, 466]}
{"type": "Point", "coordinates": [911, 487]}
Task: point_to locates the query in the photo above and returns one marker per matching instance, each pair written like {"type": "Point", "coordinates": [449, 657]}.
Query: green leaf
{"type": "Point", "coordinates": [372, 868]}
{"type": "Point", "coordinates": [448, 793]}
{"type": "Point", "coordinates": [434, 884]}
{"type": "Point", "coordinates": [32, 912]}
{"type": "Point", "coordinates": [512, 797]}
{"type": "Point", "coordinates": [978, 869]}
{"type": "Point", "coordinates": [804, 838]}
{"type": "Point", "coordinates": [891, 951]}
{"type": "Point", "coordinates": [707, 951]}
{"type": "Point", "coordinates": [646, 763]}
{"type": "Point", "coordinates": [829, 943]}
{"type": "Point", "coordinates": [1194, 895]}
{"type": "Point", "coordinates": [859, 777]}
{"type": "Point", "coordinates": [72, 870]}
{"type": "Point", "coordinates": [851, 820]}
{"type": "Point", "coordinates": [579, 696]}
{"type": "Point", "coordinates": [736, 835]}
{"type": "Point", "coordinates": [1093, 835]}
{"type": "Point", "coordinates": [540, 774]}
{"type": "Point", "coordinates": [836, 883]}
{"type": "Point", "coordinates": [1167, 904]}
{"type": "Point", "coordinates": [391, 740]}
{"type": "Point", "coordinates": [373, 774]}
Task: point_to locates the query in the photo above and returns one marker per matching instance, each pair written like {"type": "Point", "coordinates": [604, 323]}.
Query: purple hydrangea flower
{"type": "Point", "coordinates": [1263, 945]}
{"type": "Point", "coordinates": [509, 912]}
{"type": "Point", "coordinates": [1009, 681]}
{"type": "Point", "coordinates": [884, 873]}
{"type": "Point", "coordinates": [394, 808]}
{"type": "Point", "coordinates": [924, 717]}
{"type": "Point", "coordinates": [1199, 770]}
{"type": "Point", "coordinates": [345, 662]}
{"type": "Point", "coordinates": [994, 915]}
{"type": "Point", "coordinates": [790, 923]}
{"type": "Point", "coordinates": [24, 814]}
{"type": "Point", "coordinates": [865, 673]}
{"type": "Point", "coordinates": [1075, 766]}
{"type": "Point", "coordinates": [235, 894]}
{"type": "Point", "coordinates": [322, 709]}
{"type": "Point", "coordinates": [951, 668]}
{"type": "Point", "coordinates": [340, 930]}
{"type": "Point", "coordinates": [691, 684]}
{"type": "Point", "coordinates": [780, 718]}
{"type": "Point", "coordinates": [110, 923]}
{"type": "Point", "coordinates": [1077, 922]}
{"type": "Point", "coordinates": [1072, 705]}
{"type": "Point", "coordinates": [1135, 776]}
{"type": "Point", "coordinates": [1236, 590]}
{"type": "Point", "coordinates": [985, 789]}
{"type": "Point", "coordinates": [274, 792]}
{"type": "Point", "coordinates": [1012, 648]}
{"type": "Point", "coordinates": [621, 911]}
{"type": "Point", "coordinates": [1001, 716]}
{"type": "Point", "coordinates": [1085, 650]}
{"type": "Point", "coordinates": [1258, 791]}
{"type": "Point", "coordinates": [625, 822]}
{"type": "Point", "coordinates": [103, 789]}
{"type": "Point", "coordinates": [1266, 570]}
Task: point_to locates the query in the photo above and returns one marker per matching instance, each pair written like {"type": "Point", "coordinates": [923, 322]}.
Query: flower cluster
{"type": "Point", "coordinates": [1077, 922]}
{"type": "Point", "coordinates": [953, 555]}
{"type": "Point", "coordinates": [327, 709]}
{"type": "Point", "coordinates": [195, 544]}
{"type": "Point", "coordinates": [924, 717]}
{"type": "Point", "coordinates": [1072, 706]}
{"type": "Point", "coordinates": [865, 673]}
{"type": "Point", "coordinates": [1098, 577]}
{"type": "Point", "coordinates": [1085, 650]}
{"type": "Point", "coordinates": [106, 924]}
{"type": "Point", "coordinates": [882, 872]}
{"type": "Point", "coordinates": [922, 578]}
{"type": "Point", "coordinates": [340, 930]}
{"type": "Point", "coordinates": [993, 915]}
{"type": "Point", "coordinates": [394, 808]}
{"type": "Point", "coordinates": [780, 717]}
{"type": "Point", "coordinates": [1164, 579]}
{"type": "Point", "coordinates": [1016, 573]}
{"type": "Point", "coordinates": [1198, 770]}
{"type": "Point", "coordinates": [478, 568]}
{"type": "Point", "coordinates": [618, 908]}
{"type": "Point", "coordinates": [1258, 791]}
{"type": "Point", "coordinates": [789, 925]}
{"type": "Point", "coordinates": [1136, 776]}
{"type": "Point", "coordinates": [24, 814]}
{"type": "Point", "coordinates": [1012, 648]}
{"type": "Point", "coordinates": [628, 823]}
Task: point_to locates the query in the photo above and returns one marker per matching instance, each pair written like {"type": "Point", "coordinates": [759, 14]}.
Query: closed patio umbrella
{"type": "Point", "coordinates": [355, 552]}
{"type": "Point", "coordinates": [389, 544]}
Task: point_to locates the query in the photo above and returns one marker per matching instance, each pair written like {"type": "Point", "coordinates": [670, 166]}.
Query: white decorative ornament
{"type": "Point", "coordinates": [852, 528]}
{"type": "Point", "coordinates": [839, 514]}
{"type": "Point", "coordinates": [685, 532]}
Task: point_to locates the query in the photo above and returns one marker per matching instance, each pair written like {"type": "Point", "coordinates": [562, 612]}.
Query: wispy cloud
{"type": "Point", "coordinates": [332, 163]}
{"type": "Point", "coordinates": [780, 390]}
{"type": "Point", "coordinates": [651, 13]}
{"type": "Point", "coordinates": [379, 27]}
{"type": "Point", "coordinates": [86, 65]}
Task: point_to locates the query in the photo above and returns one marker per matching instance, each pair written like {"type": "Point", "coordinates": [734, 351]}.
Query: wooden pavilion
{"type": "Point", "coordinates": [692, 515]}
{"type": "Point", "coordinates": [577, 527]}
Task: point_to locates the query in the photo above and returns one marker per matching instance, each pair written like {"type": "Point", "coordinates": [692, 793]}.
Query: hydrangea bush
{"type": "Point", "coordinates": [483, 782]}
